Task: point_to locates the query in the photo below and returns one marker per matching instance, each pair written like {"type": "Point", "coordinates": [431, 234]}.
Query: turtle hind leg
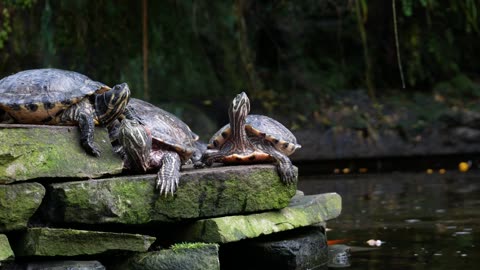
{"type": "Point", "coordinates": [169, 174]}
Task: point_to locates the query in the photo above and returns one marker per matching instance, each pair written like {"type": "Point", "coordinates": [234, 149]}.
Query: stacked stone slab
{"type": "Point", "coordinates": [55, 200]}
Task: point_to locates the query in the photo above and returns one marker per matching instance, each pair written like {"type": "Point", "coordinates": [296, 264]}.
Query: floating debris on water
{"type": "Point", "coordinates": [413, 220]}
{"type": "Point", "coordinates": [374, 243]}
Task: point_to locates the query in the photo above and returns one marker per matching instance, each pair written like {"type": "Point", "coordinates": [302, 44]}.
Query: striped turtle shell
{"type": "Point", "coordinates": [37, 96]}
{"type": "Point", "coordinates": [261, 126]}
{"type": "Point", "coordinates": [167, 129]}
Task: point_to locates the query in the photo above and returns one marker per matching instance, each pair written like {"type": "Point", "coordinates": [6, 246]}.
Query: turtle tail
{"type": "Point", "coordinates": [169, 174]}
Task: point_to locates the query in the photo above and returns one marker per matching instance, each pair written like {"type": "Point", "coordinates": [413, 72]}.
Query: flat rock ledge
{"type": "Point", "coordinates": [69, 242]}
{"type": "Point", "coordinates": [18, 202]}
{"type": "Point", "coordinates": [210, 192]}
{"type": "Point", "coordinates": [6, 253]}
{"type": "Point", "coordinates": [302, 211]}
{"type": "Point", "coordinates": [192, 256]}
{"type": "Point", "coordinates": [35, 151]}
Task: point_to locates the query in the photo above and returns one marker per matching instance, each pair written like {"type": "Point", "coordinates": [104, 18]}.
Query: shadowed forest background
{"type": "Point", "coordinates": [310, 63]}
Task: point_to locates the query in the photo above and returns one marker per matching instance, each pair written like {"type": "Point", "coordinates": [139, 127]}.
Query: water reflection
{"type": "Point", "coordinates": [424, 221]}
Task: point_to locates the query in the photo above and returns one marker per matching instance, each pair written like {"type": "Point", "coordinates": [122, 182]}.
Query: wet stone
{"type": "Point", "coordinates": [302, 211]}
{"type": "Point", "coordinates": [57, 265]}
{"type": "Point", "coordinates": [196, 256]}
{"type": "Point", "coordinates": [218, 191]}
{"type": "Point", "coordinates": [35, 151]}
{"type": "Point", "coordinates": [69, 242]}
{"type": "Point", "coordinates": [18, 202]}
{"type": "Point", "coordinates": [303, 248]}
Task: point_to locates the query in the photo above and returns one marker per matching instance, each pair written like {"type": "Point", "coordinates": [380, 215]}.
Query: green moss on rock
{"type": "Point", "coordinates": [69, 242]}
{"type": "Point", "coordinates": [30, 151]}
{"type": "Point", "coordinates": [302, 211]}
{"type": "Point", "coordinates": [192, 257]}
{"type": "Point", "coordinates": [18, 203]}
{"type": "Point", "coordinates": [6, 252]}
{"type": "Point", "coordinates": [201, 193]}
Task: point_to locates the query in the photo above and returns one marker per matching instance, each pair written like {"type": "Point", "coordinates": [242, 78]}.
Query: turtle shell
{"type": "Point", "coordinates": [261, 126]}
{"type": "Point", "coordinates": [36, 96]}
{"type": "Point", "coordinates": [167, 129]}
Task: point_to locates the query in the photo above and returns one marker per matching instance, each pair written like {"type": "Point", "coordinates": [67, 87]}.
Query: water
{"type": "Point", "coordinates": [423, 221]}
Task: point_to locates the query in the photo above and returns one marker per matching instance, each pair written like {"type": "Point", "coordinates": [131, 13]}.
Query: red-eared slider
{"type": "Point", "coordinates": [60, 97]}
{"type": "Point", "coordinates": [157, 141]}
{"type": "Point", "coordinates": [252, 139]}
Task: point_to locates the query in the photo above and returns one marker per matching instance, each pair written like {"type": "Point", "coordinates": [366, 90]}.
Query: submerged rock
{"type": "Point", "coordinates": [30, 151]}
{"type": "Point", "coordinates": [210, 192]}
{"type": "Point", "coordinates": [302, 211]}
{"type": "Point", "coordinates": [18, 203]}
{"type": "Point", "coordinates": [69, 242]}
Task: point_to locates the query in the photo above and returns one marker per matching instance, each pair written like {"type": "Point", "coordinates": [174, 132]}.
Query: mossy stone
{"type": "Point", "coordinates": [218, 191]}
{"type": "Point", "coordinates": [70, 242]}
{"type": "Point", "coordinates": [33, 151]}
{"type": "Point", "coordinates": [18, 202]}
{"type": "Point", "coordinates": [302, 211]}
{"type": "Point", "coordinates": [6, 253]}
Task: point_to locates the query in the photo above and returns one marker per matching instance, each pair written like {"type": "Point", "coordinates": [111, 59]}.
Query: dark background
{"type": "Point", "coordinates": [308, 63]}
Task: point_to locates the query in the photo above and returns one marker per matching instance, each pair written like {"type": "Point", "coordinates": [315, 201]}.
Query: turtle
{"type": "Point", "coordinates": [61, 97]}
{"type": "Point", "coordinates": [250, 139]}
{"type": "Point", "coordinates": [156, 140]}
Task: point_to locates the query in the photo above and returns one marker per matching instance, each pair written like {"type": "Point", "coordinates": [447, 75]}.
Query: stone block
{"type": "Point", "coordinates": [302, 211]}
{"type": "Point", "coordinates": [18, 202]}
{"type": "Point", "coordinates": [218, 191]}
{"type": "Point", "coordinates": [69, 242]}
{"type": "Point", "coordinates": [35, 151]}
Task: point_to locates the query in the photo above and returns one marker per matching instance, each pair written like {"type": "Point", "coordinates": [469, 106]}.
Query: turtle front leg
{"type": "Point", "coordinates": [87, 128]}
{"type": "Point", "coordinates": [169, 174]}
{"type": "Point", "coordinates": [83, 113]}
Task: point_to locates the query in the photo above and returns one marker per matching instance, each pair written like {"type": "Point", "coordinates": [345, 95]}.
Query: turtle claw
{"type": "Point", "coordinates": [91, 149]}
{"type": "Point", "coordinates": [166, 186]}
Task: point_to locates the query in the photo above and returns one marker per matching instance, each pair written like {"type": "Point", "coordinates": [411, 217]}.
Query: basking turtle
{"type": "Point", "coordinates": [59, 97]}
{"type": "Point", "coordinates": [156, 140]}
{"type": "Point", "coordinates": [252, 139]}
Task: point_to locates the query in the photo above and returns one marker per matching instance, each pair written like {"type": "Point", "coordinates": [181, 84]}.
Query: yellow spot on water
{"type": "Point", "coordinates": [429, 171]}
{"type": "Point", "coordinates": [346, 170]}
{"type": "Point", "coordinates": [442, 171]}
{"type": "Point", "coordinates": [463, 166]}
{"type": "Point", "coordinates": [362, 170]}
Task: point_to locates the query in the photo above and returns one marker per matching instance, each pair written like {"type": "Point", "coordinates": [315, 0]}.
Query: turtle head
{"type": "Point", "coordinates": [239, 108]}
{"type": "Point", "coordinates": [111, 104]}
{"type": "Point", "coordinates": [136, 141]}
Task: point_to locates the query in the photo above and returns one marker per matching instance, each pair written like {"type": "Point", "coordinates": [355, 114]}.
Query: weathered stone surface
{"type": "Point", "coordinates": [18, 202]}
{"type": "Point", "coordinates": [57, 265]}
{"type": "Point", "coordinates": [302, 211]}
{"type": "Point", "coordinates": [303, 248]}
{"type": "Point", "coordinates": [6, 252]}
{"type": "Point", "coordinates": [201, 257]}
{"type": "Point", "coordinates": [29, 151]}
{"type": "Point", "coordinates": [218, 191]}
{"type": "Point", "coordinates": [68, 242]}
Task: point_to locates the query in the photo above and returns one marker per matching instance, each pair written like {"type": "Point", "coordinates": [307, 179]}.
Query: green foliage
{"type": "Point", "coordinates": [292, 57]}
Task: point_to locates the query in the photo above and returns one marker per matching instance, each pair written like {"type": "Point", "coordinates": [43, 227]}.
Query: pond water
{"type": "Point", "coordinates": [423, 221]}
